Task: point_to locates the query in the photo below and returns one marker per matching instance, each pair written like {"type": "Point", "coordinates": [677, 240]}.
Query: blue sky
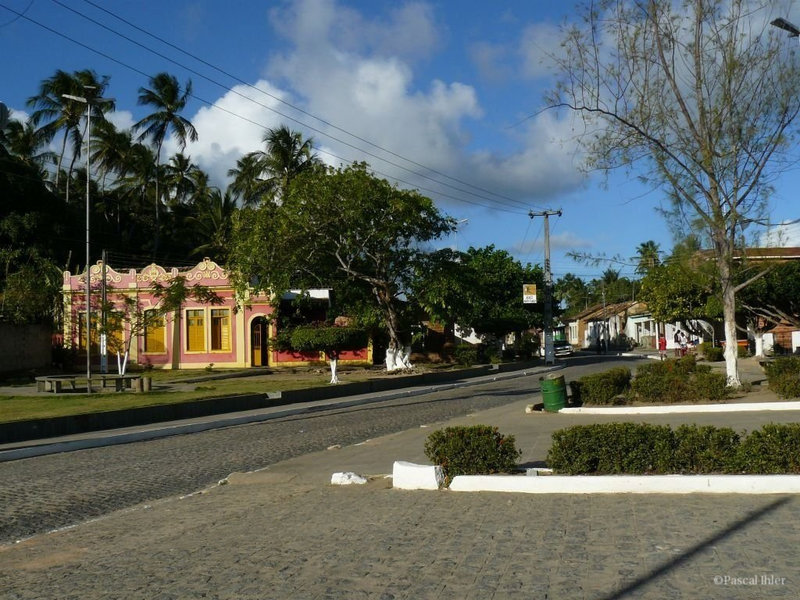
{"type": "Point", "coordinates": [434, 95]}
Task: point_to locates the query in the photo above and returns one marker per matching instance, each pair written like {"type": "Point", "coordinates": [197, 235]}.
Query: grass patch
{"type": "Point", "coordinates": [43, 406]}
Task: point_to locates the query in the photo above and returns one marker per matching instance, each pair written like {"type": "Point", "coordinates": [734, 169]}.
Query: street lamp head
{"type": "Point", "coordinates": [782, 23]}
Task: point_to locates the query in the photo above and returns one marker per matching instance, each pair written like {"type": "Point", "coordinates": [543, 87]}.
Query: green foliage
{"type": "Point", "coordinates": [356, 228]}
{"type": "Point", "coordinates": [783, 376]}
{"type": "Point", "coordinates": [681, 380]}
{"type": "Point", "coordinates": [707, 385]}
{"type": "Point", "coordinates": [466, 355]}
{"type": "Point", "coordinates": [711, 353]}
{"type": "Point", "coordinates": [611, 448]}
{"type": "Point", "coordinates": [635, 448]}
{"type": "Point", "coordinates": [773, 449]}
{"type": "Point", "coordinates": [706, 449]}
{"type": "Point", "coordinates": [674, 291]}
{"type": "Point", "coordinates": [479, 289]}
{"type": "Point", "coordinates": [471, 450]}
{"type": "Point", "coordinates": [601, 388]}
{"type": "Point", "coordinates": [324, 338]}
{"type": "Point", "coordinates": [774, 297]}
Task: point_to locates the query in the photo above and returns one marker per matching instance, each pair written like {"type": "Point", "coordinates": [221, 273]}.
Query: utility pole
{"type": "Point", "coordinates": [549, 354]}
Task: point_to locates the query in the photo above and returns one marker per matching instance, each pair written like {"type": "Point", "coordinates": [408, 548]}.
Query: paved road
{"type": "Point", "coordinates": [44, 493]}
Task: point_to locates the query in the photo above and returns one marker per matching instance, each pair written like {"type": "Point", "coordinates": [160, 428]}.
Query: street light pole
{"type": "Point", "coordinates": [88, 102]}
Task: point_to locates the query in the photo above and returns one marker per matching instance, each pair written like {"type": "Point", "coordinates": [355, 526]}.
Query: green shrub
{"type": "Point", "coordinates": [712, 353]}
{"type": "Point", "coordinates": [601, 388]}
{"type": "Point", "coordinates": [466, 355]}
{"type": "Point", "coordinates": [772, 449]}
{"type": "Point", "coordinates": [661, 382]}
{"type": "Point", "coordinates": [783, 376]}
{"type": "Point", "coordinates": [681, 380]}
{"type": "Point", "coordinates": [705, 449]}
{"type": "Point", "coordinates": [611, 448]}
{"type": "Point", "coordinates": [473, 450]}
{"type": "Point", "coordinates": [709, 386]}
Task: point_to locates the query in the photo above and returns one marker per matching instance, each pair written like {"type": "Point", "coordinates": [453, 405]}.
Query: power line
{"type": "Point", "coordinates": [276, 98]}
{"type": "Point", "coordinates": [510, 202]}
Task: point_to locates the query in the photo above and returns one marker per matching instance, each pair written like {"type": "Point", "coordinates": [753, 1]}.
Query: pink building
{"type": "Point", "coordinates": [229, 334]}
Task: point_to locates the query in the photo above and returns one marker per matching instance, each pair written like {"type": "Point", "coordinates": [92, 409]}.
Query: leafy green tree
{"type": "Point", "coordinates": [340, 225]}
{"type": "Point", "coordinates": [479, 289]}
{"type": "Point", "coordinates": [699, 96]}
{"type": "Point", "coordinates": [330, 339]}
{"type": "Point", "coordinates": [130, 319]}
{"type": "Point", "coordinates": [772, 299]}
{"type": "Point", "coordinates": [674, 292]}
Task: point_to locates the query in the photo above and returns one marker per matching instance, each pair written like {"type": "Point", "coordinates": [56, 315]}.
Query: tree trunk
{"type": "Point", "coordinates": [397, 355]}
{"type": "Point", "coordinates": [729, 316]}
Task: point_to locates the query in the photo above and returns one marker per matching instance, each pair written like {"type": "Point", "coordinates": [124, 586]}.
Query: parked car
{"type": "Point", "coordinates": [560, 348]}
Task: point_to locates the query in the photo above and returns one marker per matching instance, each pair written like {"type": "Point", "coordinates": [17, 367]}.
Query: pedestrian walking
{"type": "Point", "coordinates": [662, 346]}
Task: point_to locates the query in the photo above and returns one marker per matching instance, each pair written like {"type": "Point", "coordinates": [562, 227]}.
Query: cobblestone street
{"type": "Point", "coordinates": [283, 532]}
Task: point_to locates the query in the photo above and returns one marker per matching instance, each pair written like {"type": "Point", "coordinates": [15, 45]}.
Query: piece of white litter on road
{"type": "Point", "coordinates": [347, 478]}
{"type": "Point", "coordinates": [410, 476]}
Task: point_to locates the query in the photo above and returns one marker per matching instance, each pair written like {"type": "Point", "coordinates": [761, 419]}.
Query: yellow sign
{"type": "Point", "coordinates": [529, 293]}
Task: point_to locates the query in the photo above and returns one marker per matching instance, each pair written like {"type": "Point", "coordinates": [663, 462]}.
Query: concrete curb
{"type": "Point", "coordinates": [629, 484]}
{"type": "Point", "coordinates": [681, 408]}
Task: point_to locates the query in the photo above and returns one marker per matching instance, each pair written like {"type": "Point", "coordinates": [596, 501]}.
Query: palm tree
{"type": "Point", "coordinates": [168, 99]}
{"type": "Point", "coordinates": [647, 255]}
{"type": "Point", "coordinates": [287, 156]}
{"type": "Point", "coordinates": [248, 183]}
{"type": "Point", "coordinates": [60, 114]}
{"type": "Point", "coordinates": [212, 224]}
{"type": "Point", "coordinates": [263, 173]}
{"type": "Point", "coordinates": [25, 142]}
{"type": "Point", "coordinates": [178, 178]}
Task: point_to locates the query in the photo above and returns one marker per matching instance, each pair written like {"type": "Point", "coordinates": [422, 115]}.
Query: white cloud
{"type": "Point", "coordinates": [409, 32]}
{"type": "Point", "coordinates": [232, 127]}
{"type": "Point", "coordinates": [342, 67]}
{"type": "Point", "coordinates": [783, 235]}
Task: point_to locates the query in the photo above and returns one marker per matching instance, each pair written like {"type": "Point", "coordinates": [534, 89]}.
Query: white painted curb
{"type": "Point", "coordinates": [681, 408]}
{"type": "Point", "coordinates": [629, 484]}
{"type": "Point", "coordinates": [410, 476]}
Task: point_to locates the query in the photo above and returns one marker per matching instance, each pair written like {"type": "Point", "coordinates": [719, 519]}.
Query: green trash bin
{"type": "Point", "coordinates": [554, 392]}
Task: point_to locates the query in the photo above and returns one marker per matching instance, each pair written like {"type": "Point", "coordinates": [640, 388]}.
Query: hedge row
{"type": "Point", "coordinates": [783, 376]}
{"type": "Point", "coordinates": [608, 387]}
{"type": "Point", "coordinates": [641, 448]}
{"type": "Point", "coordinates": [663, 382]}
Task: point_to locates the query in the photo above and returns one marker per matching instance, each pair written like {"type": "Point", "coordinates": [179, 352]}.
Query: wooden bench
{"type": "Point", "coordinates": [54, 383]}
{"type": "Point", "coordinates": [121, 382]}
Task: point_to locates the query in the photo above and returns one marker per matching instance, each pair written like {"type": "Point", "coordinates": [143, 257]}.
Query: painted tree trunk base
{"type": "Point", "coordinates": [122, 363]}
{"type": "Point", "coordinates": [334, 377]}
{"type": "Point", "coordinates": [398, 359]}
